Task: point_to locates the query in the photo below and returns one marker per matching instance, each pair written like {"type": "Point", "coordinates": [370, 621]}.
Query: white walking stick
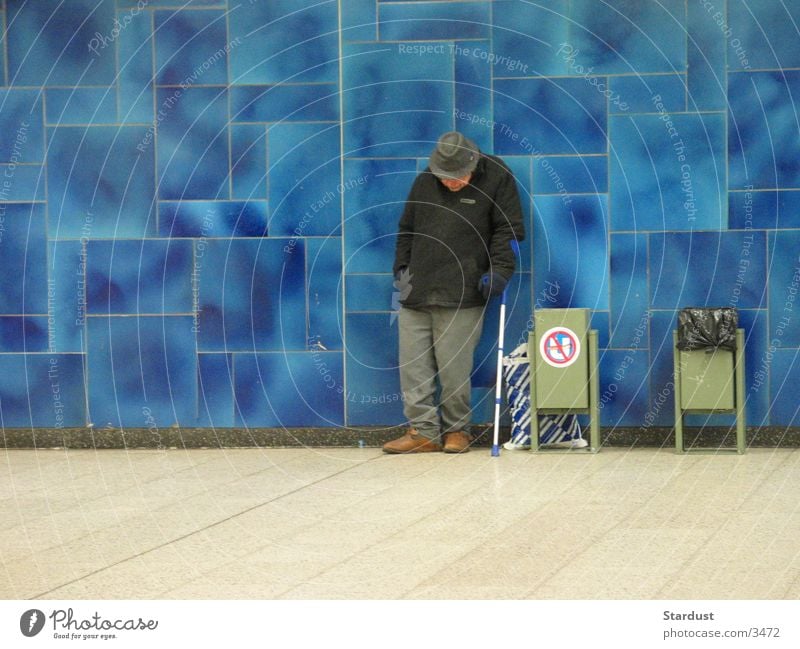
{"type": "Point", "coordinates": [498, 390]}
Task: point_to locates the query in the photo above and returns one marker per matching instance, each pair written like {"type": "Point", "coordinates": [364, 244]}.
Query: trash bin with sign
{"type": "Point", "coordinates": [564, 369]}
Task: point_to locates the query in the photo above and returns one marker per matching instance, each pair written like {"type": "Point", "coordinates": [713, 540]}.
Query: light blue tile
{"type": "Point", "coordinates": [763, 34]}
{"type": "Point", "coordinates": [668, 174]}
{"type": "Point", "coordinates": [66, 269]}
{"type": "Point", "coordinates": [571, 175]}
{"type": "Point", "coordinates": [23, 334]}
{"type": "Point", "coordinates": [763, 209]}
{"type": "Point", "coordinates": [96, 174]}
{"type": "Point", "coordinates": [81, 106]}
{"type": "Point", "coordinates": [248, 161]}
{"type": "Point", "coordinates": [784, 285]}
{"type": "Point", "coordinates": [473, 98]}
{"type": "Point", "coordinates": [287, 103]}
{"type": "Point", "coordinates": [289, 389]}
{"type": "Point", "coordinates": [23, 249]}
{"type": "Point", "coordinates": [135, 77]}
{"type": "Point", "coordinates": [325, 303]}
{"type": "Point", "coordinates": [190, 47]}
{"type": "Point", "coordinates": [433, 20]}
{"type": "Point", "coordinates": [206, 219]}
{"type": "Point", "coordinates": [215, 390]}
{"type": "Point", "coordinates": [369, 292]}
{"type": "Point", "coordinates": [624, 388]}
{"type": "Point", "coordinates": [521, 168]}
{"type": "Point", "coordinates": [548, 116]}
{"type": "Point", "coordinates": [706, 42]}
{"type": "Point", "coordinates": [22, 120]}
{"type": "Point", "coordinates": [661, 405]}
{"type": "Point", "coordinates": [359, 20]}
{"type": "Point", "coordinates": [22, 183]}
{"type": "Point", "coordinates": [143, 371]}
{"type": "Point", "coordinates": [642, 93]}
{"type": "Point", "coordinates": [630, 297]}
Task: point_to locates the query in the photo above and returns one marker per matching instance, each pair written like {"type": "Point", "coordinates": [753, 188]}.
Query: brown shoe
{"type": "Point", "coordinates": [457, 442]}
{"type": "Point", "coordinates": [411, 442]}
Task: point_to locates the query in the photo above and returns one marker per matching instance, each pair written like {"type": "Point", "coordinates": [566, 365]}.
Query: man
{"type": "Point", "coordinates": [453, 253]}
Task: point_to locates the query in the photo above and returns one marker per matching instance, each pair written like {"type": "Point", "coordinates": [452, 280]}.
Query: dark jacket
{"type": "Point", "coordinates": [448, 240]}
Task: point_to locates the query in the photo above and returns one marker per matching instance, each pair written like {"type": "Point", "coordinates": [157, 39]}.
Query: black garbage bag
{"type": "Point", "coordinates": [707, 328]}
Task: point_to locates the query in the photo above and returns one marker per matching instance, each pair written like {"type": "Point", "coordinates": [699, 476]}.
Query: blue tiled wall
{"type": "Point", "coordinates": [199, 200]}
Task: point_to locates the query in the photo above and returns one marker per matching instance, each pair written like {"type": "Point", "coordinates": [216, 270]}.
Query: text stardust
{"type": "Point", "coordinates": [65, 618]}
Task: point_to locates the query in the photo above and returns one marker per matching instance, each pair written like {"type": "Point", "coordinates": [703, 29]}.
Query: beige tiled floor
{"type": "Point", "coordinates": [353, 523]}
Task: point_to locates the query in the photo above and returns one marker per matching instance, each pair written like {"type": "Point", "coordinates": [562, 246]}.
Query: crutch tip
{"type": "Point", "coordinates": [495, 450]}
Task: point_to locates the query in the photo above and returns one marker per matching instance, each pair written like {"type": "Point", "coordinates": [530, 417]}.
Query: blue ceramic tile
{"type": "Point", "coordinates": [527, 38]}
{"type": "Point", "coordinates": [193, 144]}
{"type": "Point", "coordinates": [624, 388]}
{"type": "Point", "coordinates": [571, 249]}
{"type": "Point", "coordinates": [706, 42]}
{"type": "Point", "coordinates": [304, 180]}
{"type": "Point", "coordinates": [143, 371]}
{"type": "Point", "coordinates": [373, 392]}
{"type": "Point", "coordinates": [62, 44]}
{"type": "Point", "coordinates": [763, 34]}
{"type": "Point", "coordinates": [473, 98]}
{"type": "Point", "coordinates": [252, 295]}
{"type": "Point", "coordinates": [81, 106]}
{"type": "Point", "coordinates": [622, 36]}
{"type": "Point", "coordinates": [132, 5]}
{"type": "Point", "coordinates": [630, 297]}
{"type": "Point", "coordinates": [372, 212]}
{"type": "Point", "coordinates": [600, 322]}
{"type": "Point", "coordinates": [668, 177]}
{"type": "Point", "coordinates": [97, 174]}
{"type": "Point", "coordinates": [139, 277]}
{"type": "Point", "coordinates": [288, 103]}
{"type": "Point", "coordinates": [369, 292]}
{"type": "Point", "coordinates": [215, 390]}
{"type": "Point", "coordinates": [784, 285]}
{"type": "Point", "coordinates": [23, 249]}
{"type": "Point", "coordinates": [756, 344]}
{"type": "Point", "coordinates": [284, 41]}
{"type": "Point", "coordinates": [661, 406]}
{"type": "Point", "coordinates": [396, 102]}
{"type": "Point", "coordinates": [67, 289]}
{"type": "Point", "coordinates": [212, 219]}
{"type": "Point", "coordinates": [548, 116]}
{"type": "Point", "coordinates": [42, 391]}
{"type": "Point", "coordinates": [521, 168]}
{"type": "Point", "coordinates": [482, 404]}
{"type": "Point", "coordinates": [571, 175]}
{"type": "Point", "coordinates": [433, 20]}
{"type": "Point", "coordinates": [359, 20]}
{"type": "Point", "coordinates": [785, 376]}
{"type": "Point", "coordinates": [23, 334]}
{"type": "Point", "coordinates": [763, 148]}
{"type": "Point", "coordinates": [22, 183]}
{"type": "Point", "coordinates": [763, 209]}
{"type": "Point", "coordinates": [289, 389]}
{"type": "Point", "coordinates": [135, 76]}
{"type": "Point", "coordinates": [22, 122]}
{"type": "Point", "coordinates": [190, 47]}
{"type": "Point", "coordinates": [708, 269]}
{"type": "Point", "coordinates": [641, 93]}
{"type": "Point", "coordinates": [248, 161]}
{"type": "Point", "coordinates": [324, 272]}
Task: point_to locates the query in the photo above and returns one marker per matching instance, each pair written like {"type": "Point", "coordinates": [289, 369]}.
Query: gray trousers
{"type": "Point", "coordinates": [438, 342]}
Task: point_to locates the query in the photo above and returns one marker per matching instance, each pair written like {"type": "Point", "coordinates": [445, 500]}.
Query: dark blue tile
{"type": "Point", "coordinates": [706, 42]}
{"type": "Point", "coordinates": [548, 116]}
{"type": "Point", "coordinates": [252, 295]}
{"type": "Point", "coordinates": [97, 173]}
{"type": "Point", "coordinates": [135, 76]}
{"type": "Point", "coordinates": [763, 209]}
{"type": "Point", "coordinates": [324, 283]}
{"type": "Point", "coordinates": [289, 389]}
{"type": "Point", "coordinates": [22, 122]}
{"type": "Point", "coordinates": [193, 144]}
{"type": "Point", "coordinates": [396, 102]}
{"type": "Point", "coordinates": [571, 175]}
{"type": "Point", "coordinates": [763, 148]}
{"type": "Point", "coordinates": [473, 98]}
{"type": "Point", "coordinates": [571, 250]}
{"type": "Point", "coordinates": [304, 180]}
{"type": "Point", "coordinates": [763, 34]}
{"type": "Point", "coordinates": [630, 297]}
{"type": "Point", "coordinates": [190, 47]}
{"type": "Point", "coordinates": [66, 106]}
{"type": "Point", "coordinates": [22, 183]}
{"type": "Point", "coordinates": [641, 93]}
{"type": "Point", "coordinates": [143, 371]}
{"type": "Point", "coordinates": [668, 177]}
{"type": "Point", "coordinates": [359, 20]}
{"type": "Point", "coordinates": [287, 103]}
{"type": "Point", "coordinates": [784, 283]}
{"type": "Point", "coordinates": [521, 168]}
{"type": "Point", "coordinates": [215, 390]}
{"type": "Point", "coordinates": [284, 41]}
{"type": "Point", "coordinates": [708, 269]}
{"type": "Point", "coordinates": [600, 322]}
{"type": "Point", "coordinates": [372, 212]}
{"type": "Point", "coordinates": [42, 391]}
{"type": "Point", "coordinates": [529, 36]}
{"type": "Point", "coordinates": [62, 44]}
{"type": "Point", "coordinates": [23, 334]}
{"type": "Point", "coordinates": [756, 343]}
{"type": "Point", "coordinates": [661, 407]}
{"type": "Point", "coordinates": [248, 161]}
{"type": "Point", "coordinates": [145, 277]}
{"type": "Point", "coordinates": [482, 404]}
{"type": "Point", "coordinates": [369, 292]}
{"type": "Point", "coordinates": [433, 21]}
{"type": "Point", "coordinates": [23, 249]}
{"type": "Point", "coordinates": [624, 389]}
{"type": "Point", "coordinates": [783, 389]}
{"type": "Point", "coordinates": [212, 219]}
{"type": "Point", "coordinates": [66, 268]}
{"type": "Point", "coordinates": [622, 36]}
{"type": "Point", "coordinates": [373, 392]}
{"type": "Point", "coordinates": [133, 5]}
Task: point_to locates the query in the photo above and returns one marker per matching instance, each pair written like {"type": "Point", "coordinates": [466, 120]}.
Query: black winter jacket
{"type": "Point", "coordinates": [448, 240]}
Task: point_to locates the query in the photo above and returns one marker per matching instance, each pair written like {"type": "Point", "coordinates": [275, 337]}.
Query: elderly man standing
{"type": "Point", "coordinates": [453, 254]}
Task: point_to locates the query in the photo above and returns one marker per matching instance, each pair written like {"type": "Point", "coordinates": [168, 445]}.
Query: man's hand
{"type": "Point", "coordinates": [492, 284]}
